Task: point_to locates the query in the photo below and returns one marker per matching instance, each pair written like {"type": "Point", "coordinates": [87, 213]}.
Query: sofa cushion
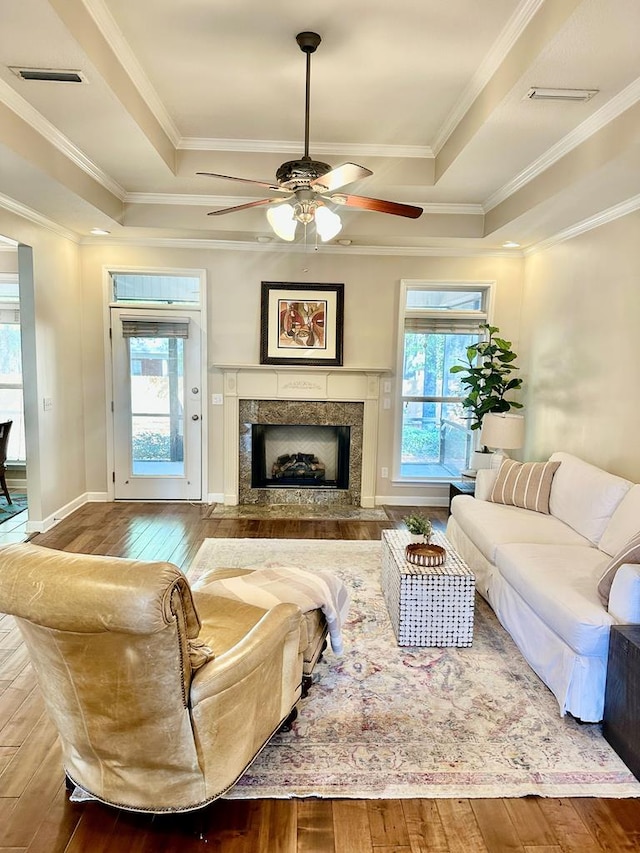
{"type": "Point", "coordinates": [559, 583]}
{"type": "Point", "coordinates": [489, 525]}
{"type": "Point", "coordinates": [524, 484]}
{"type": "Point", "coordinates": [624, 523]}
{"type": "Point", "coordinates": [583, 496]}
{"type": "Point", "coordinates": [629, 553]}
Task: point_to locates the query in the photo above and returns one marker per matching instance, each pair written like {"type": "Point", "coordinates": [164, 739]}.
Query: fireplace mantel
{"type": "Point", "coordinates": [331, 384]}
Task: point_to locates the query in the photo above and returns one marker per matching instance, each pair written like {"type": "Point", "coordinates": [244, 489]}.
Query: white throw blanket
{"type": "Point", "coordinates": [273, 584]}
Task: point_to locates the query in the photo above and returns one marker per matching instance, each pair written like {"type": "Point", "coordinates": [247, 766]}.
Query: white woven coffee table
{"type": "Point", "coordinates": [427, 606]}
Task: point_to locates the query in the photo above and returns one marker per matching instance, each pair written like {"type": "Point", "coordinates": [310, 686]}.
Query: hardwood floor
{"type": "Point", "coordinates": [36, 816]}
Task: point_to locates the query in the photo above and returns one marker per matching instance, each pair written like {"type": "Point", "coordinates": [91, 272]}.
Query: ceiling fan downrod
{"type": "Point", "coordinates": [308, 43]}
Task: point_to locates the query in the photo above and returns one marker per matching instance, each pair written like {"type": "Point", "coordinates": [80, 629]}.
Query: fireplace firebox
{"type": "Point", "coordinates": [299, 456]}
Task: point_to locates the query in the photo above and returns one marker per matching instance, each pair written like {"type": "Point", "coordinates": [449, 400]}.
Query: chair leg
{"type": "Point", "coordinates": [307, 681]}
{"type": "Point", "coordinates": [3, 484]}
{"type": "Point", "coordinates": [288, 723]}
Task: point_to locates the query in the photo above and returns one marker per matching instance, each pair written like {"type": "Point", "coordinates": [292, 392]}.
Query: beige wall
{"type": "Point", "coordinates": [581, 348]}
{"type": "Point", "coordinates": [52, 367]}
{"type": "Point", "coordinates": [234, 279]}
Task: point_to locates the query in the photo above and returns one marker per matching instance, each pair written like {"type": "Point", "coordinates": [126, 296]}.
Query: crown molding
{"type": "Point", "coordinates": [13, 206]}
{"type": "Point", "coordinates": [189, 200]}
{"type": "Point", "coordinates": [596, 221]}
{"type": "Point", "coordinates": [497, 54]}
{"type": "Point", "coordinates": [299, 248]}
{"type": "Point", "coordinates": [51, 134]}
{"type": "Point", "coordinates": [114, 37]}
{"type": "Point", "coordinates": [617, 105]}
{"type": "Point", "coordinates": [280, 146]}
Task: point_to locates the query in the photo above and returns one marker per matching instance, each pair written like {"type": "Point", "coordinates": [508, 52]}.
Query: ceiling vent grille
{"type": "Point", "coordinates": [55, 75]}
{"type": "Point", "coordinates": [537, 93]}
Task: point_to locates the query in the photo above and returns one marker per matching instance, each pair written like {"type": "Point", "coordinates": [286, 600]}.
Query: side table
{"type": "Point", "coordinates": [621, 723]}
{"type": "Point", "coordinates": [461, 487]}
{"type": "Point", "coordinates": [428, 606]}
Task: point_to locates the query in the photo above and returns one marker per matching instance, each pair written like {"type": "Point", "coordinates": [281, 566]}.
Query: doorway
{"type": "Point", "coordinates": [157, 404]}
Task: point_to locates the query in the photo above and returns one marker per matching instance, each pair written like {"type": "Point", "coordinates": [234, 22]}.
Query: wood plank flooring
{"type": "Point", "coordinates": [36, 816]}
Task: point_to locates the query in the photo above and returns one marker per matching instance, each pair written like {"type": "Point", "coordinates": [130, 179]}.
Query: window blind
{"type": "Point", "coordinates": [155, 327]}
{"type": "Point", "coordinates": [443, 325]}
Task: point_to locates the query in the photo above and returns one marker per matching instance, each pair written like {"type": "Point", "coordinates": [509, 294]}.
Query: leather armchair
{"type": "Point", "coordinates": [158, 709]}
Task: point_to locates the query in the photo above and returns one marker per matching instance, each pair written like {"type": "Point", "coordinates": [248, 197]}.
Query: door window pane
{"type": "Point", "coordinates": [157, 406]}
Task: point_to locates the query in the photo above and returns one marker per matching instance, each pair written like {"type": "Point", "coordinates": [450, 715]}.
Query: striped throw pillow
{"type": "Point", "coordinates": [629, 554]}
{"type": "Point", "coordinates": [524, 484]}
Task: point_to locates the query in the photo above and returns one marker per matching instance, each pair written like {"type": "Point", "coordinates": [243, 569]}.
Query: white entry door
{"type": "Point", "coordinates": [157, 404]}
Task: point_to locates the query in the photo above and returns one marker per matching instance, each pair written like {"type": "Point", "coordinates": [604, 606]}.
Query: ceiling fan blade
{"type": "Point", "coordinates": [378, 204]}
{"type": "Point", "coordinates": [347, 173]}
{"type": "Point", "coordinates": [242, 180]}
{"type": "Point", "coordinates": [246, 206]}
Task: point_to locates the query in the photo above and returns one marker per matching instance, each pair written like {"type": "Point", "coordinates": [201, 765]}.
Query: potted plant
{"type": "Point", "coordinates": [487, 377]}
{"type": "Point", "coordinates": [419, 526]}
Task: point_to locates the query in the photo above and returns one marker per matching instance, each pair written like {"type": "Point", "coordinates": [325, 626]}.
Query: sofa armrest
{"type": "Point", "coordinates": [485, 480]}
{"type": "Point", "coordinates": [266, 641]}
{"type": "Point", "coordinates": [624, 598]}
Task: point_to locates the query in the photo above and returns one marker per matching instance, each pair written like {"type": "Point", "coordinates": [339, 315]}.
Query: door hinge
{"type": "Point", "coordinates": [110, 333]}
{"type": "Point", "coordinates": [113, 476]}
{"type": "Point", "coordinates": [112, 409]}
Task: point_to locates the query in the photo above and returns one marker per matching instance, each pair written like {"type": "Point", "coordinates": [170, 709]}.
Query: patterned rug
{"type": "Point", "coordinates": [390, 722]}
{"type": "Point", "coordinates": [18, 504]}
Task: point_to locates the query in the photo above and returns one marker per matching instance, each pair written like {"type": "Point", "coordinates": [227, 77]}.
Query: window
{"type": "Point", "coordinates": [169, 288]}
{"type": "Point", "coordinates": [11, 402]}
{"type": "Point", "coordinates": [438, 322]}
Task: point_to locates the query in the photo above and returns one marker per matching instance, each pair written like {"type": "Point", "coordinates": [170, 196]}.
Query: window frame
{"type": "Point", "coordinates": [473, 317]}
{"type": "Point", "coordinates": [11, 304]}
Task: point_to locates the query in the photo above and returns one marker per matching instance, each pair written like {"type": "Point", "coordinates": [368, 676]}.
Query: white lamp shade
{"type": "Point", "coordinates": [502, 431]}
{"type": "Point", "coordinates": [328, 223]}
{"type": "Point", "coordinates": [281, 220]}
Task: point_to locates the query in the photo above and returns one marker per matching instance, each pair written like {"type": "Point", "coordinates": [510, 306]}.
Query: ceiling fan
{"type": "Point", "coordinates": [309, 184]}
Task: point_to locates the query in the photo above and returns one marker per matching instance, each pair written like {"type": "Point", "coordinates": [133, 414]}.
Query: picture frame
{"type": "Point", "coordinates": [301, 323]}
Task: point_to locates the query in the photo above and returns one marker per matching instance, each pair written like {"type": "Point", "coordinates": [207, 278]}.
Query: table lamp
{"type": "Point", "coordinates": [502, 431]}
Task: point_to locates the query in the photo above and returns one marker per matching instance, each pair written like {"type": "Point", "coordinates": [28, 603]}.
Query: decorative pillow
{"type": "Point", "coordinates": [524, 484]}
{"type": "Point", "coordinates": [629, 554]}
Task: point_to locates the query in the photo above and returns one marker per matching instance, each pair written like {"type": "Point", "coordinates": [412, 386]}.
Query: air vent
{"type": "Point", "coordinates": [55, 75]}
{"type": "Point", "coordinates": [536, 93]}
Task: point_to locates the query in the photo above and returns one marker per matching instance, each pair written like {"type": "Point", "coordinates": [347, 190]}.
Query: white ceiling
{"type": "Point", "coordinates": [428, 95]}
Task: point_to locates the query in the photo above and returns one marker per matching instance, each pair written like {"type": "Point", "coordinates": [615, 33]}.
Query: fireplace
{"type": "Point", "coordinates": [307, 396]}
{"type": "Point", "coordinates": [300, 456]}
{"type": "Point", "coordinates": [319, 444]}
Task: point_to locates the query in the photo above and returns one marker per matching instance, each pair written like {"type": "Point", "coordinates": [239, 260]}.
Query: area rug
{"type": "Point", "coordinates": [18, 504]}
{"type": "Point", "coordinates": [299, 512]}
{"type": "Point", "coordinates": [390, 722]}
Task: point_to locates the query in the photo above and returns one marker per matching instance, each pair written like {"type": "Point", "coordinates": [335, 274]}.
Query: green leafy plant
{"type": "Point", "coordinates": [487, 376]}
{"type": "Point", "coordinates": [418, 524]}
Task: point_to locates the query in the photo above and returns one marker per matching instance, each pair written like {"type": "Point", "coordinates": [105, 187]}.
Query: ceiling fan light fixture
{"type": "Point", "coordinates": [282, 221]}
{"type": "Point", "coordinates": [328, 223]}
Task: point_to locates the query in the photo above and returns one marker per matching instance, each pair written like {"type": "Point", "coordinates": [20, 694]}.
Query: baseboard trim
{"type": "Point", "coordinates": [411, 500]}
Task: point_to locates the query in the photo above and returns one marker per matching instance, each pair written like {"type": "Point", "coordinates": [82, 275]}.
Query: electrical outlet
{"type": "Point", "coordinates": [216, 399]}
{"type": "Point", "coordinates": [384, 473]}
{"type": "Point", "coordinates": [386, 386]}
{"type": "Point", "coordinates": [47, 404]}
{"type": "Point", "coordinates": [386, 402]}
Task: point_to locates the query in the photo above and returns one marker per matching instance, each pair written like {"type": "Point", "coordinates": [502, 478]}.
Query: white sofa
{"type": "Point", "coordinates": [540, 573]}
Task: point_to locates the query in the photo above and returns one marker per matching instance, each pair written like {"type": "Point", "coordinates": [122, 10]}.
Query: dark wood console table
{"type": "Point", "coordinates": [621, 724]}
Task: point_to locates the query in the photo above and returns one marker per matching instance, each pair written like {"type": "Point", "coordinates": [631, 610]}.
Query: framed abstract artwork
{"type": "Point", "coordinates": [301, 323]}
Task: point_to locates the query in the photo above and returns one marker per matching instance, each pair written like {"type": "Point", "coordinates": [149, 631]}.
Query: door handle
{"type": "Point", "coordinates": [195, 417]}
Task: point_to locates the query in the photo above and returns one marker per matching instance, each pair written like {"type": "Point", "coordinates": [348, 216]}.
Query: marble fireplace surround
{"type": "Point", "coordinates": [250, 393]}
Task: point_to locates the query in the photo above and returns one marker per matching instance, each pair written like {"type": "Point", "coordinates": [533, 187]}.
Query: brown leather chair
{"type": "Point", "coordinates": [5, 429]}
{"type": "Point", "coordinates": [162, 698]}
